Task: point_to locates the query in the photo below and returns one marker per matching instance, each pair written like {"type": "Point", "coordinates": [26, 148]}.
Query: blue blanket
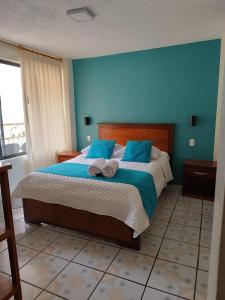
{"type": "Point", "coordinates": [143, 181]}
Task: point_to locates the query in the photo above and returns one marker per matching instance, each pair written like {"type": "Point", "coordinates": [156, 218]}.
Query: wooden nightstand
{"type": "Point", "coordinates": [66, 155]}
{"type": "Point", "coordinates": [199, 178]}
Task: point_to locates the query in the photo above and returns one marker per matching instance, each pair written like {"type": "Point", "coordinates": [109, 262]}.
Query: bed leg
{"type": "Point", "coordinates": [31, 221]}
{"type": "Point", "coordinates": [134, 244]}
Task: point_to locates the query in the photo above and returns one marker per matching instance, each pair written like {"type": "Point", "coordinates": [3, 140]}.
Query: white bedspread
{"type": "Point", "coordinates": [121, 201]}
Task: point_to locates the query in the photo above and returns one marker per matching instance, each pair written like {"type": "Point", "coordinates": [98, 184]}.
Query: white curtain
{"type": "Point", "coordinates": [46, 106]}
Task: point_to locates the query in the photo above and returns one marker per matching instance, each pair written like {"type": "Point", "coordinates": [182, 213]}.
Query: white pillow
{"type": "Point", "coordinates": [116, 148]}
{"type": "Point", "coordinates": [119, 153]}
{"type": "Point", "coordinates": [155, 153]}
{"type": "Point", "coordinates": [85, 150]}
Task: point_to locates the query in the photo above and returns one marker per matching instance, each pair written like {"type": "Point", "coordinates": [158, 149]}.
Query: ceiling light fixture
{"type": "Point", "coordinates": [82, 14]}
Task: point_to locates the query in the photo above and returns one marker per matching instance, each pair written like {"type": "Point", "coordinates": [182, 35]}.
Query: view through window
{"type": "Point", "coordinates": [12, 129]}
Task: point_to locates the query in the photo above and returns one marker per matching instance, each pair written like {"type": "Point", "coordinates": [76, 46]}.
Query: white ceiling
{"type": "Point", "coordinates": [119, 25]}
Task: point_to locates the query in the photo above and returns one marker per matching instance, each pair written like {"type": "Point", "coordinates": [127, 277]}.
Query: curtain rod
{"type": "Point", "coordinates": [30, 50]}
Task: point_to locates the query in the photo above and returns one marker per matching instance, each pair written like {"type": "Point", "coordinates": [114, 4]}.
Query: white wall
{"type": "Point", "coordinates": [8, 52]}
{"type": "Point", "coordinates": [69, 92]}
{"type": "Point", "coordinates": [219, 208]}
{"type": "Point", "coordinates": [219, 100]}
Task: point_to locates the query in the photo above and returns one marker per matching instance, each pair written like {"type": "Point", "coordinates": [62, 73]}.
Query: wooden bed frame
{"type": "Point", "coordinates": [37, 212]}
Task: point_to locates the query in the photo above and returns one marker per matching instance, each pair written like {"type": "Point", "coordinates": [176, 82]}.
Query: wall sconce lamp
{"type": "Point", "coordinates": [87, 121]}
{"type": "Point", "coordinates": [193, 121]}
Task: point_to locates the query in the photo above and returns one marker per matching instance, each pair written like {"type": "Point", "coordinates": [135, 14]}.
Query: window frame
{"type": "Point", "coordinates": [3, 157]}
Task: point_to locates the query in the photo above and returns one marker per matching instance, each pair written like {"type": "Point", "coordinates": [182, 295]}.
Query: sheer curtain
{"type": "Point", "coordinates": [46, 106]}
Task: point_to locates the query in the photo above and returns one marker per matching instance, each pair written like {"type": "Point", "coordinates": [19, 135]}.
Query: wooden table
{"type": "Point", "coordinates": [66, 155]}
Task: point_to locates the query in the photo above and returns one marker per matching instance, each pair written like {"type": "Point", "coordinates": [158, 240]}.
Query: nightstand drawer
{"type": "Point", "coordinates": [199, 171]}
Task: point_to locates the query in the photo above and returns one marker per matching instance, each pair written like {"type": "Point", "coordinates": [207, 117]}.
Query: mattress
{"type": "Point", "coordinates": [118, 200]}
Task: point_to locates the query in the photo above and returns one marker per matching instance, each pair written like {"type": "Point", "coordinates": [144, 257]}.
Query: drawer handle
{"type": "Point", "coordinates": [200, 173]}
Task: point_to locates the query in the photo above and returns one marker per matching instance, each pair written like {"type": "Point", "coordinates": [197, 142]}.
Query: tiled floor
{"type": "Point", "coordinates": [56, 263]}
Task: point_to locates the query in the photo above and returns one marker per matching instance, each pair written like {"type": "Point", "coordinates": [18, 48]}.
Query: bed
{"type": "Point", "coordinates": [83, 207]}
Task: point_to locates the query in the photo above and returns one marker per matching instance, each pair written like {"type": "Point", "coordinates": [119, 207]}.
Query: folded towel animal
{"type": "Point", "coordinates": [96, 168]}
{"type": "Point", "coordinates": [110, 168]}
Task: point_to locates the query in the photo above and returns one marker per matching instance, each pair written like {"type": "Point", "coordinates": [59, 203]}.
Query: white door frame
{"type": "Point", "coordinates": [216, 283]}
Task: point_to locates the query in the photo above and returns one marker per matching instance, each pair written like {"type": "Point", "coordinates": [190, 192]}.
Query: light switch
{"type": "Point", "coordinates": [192, 142]}
{"type": "Point", "coordinates": [89, 139]}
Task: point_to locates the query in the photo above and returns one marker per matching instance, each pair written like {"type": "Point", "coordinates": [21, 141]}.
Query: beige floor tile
{"type": "Point", "coordinates": [208, 208]}
{"type": "Point", "coordinates": [65, 246]}
{"type": "Point", "coordinates": [105, 241]}
{"type": "Point", "coordinates": [173, 187]}
{"type": "Point", "coordinates": [204, 256]}
{"type": "Point", "coordinates": [17, 203]}
{"type": "Point", "coordinates": [42, 269]}
{"type": "Point", "coordinates": [80, 234]}
{"type": "Point", "coordinates": [96, 255]}
{"type": "Point", "coordinates": [179, 252]}
{"type": "Point", "coordinates": [132, 266]}
{"type": "Point", "coordinates": [1, 209]}
{"type": "Point", "coordinates": [172, 196]}
{"type": "Point", "coordinates": [3, 245]}
{"type": "Point", "coordinates": [23, 229]}
{"type": "Point", "coordinates": [52, 227]}
{"type": "Point", "coordinates": [190, 200]}
{"type": "Point", "coordinates": [80, 281]}
{"type": "Point", "coordinates": [163, 214]}
{"type": "Point", "coordinates": [189, 205]}
{"type": "Point", "coordinates": [201, 285]}
{"type": "Point", "coordinates": [207, 222]}
{"type": "Point", "coordinates": [114, 288]}
{"type": "Point", "coordinates": [29, 292]}
{"type": "Point", "coordinates": [24, 255]}
{"type": "Point", "coordinates": [186, 218]}
{"type": "Point", "coordinates": [173, 278]}
{"type": "Point", "coordinates": [168, 203]}
{"type": "Point", "coordinates": [156, 227]}
{"type": "Point", "coordinates": [150, 244]}
{"type": "Point", "coordinates": [188, 208]}
{"type": "Point", "coordinates": [75, 282]}
{"type": "Point", "coordinates": [39, 238]}
{"type": "Point", "coordinates": [48, 296]}
{"type": "Point", "coordinates": [151, 294]}
{"type": "Point", "coordinates": [23, 221]}
{"type": "Point", "coordinates": [206, 236]}
{"type": "Point", "coordinates": [17, 213]}
{"type": "Point", "coordinates": [183, 233]}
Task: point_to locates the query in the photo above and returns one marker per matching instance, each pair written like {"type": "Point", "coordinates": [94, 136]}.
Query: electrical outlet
{"type": "Point", "coordinates": [191, 142]}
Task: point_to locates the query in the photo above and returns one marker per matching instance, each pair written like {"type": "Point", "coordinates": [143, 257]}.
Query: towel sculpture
{"type": "Point", "coordinates": [96, 168]}
{"type": "Point", "coordinates": [107, 169]}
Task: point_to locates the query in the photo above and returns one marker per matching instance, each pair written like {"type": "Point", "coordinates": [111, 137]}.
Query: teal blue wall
{"type": "Point", "coordinates": [165, 85]}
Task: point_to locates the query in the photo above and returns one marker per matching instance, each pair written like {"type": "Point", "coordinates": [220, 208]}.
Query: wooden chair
{"type": "Point", "coordinates": [8, 287]}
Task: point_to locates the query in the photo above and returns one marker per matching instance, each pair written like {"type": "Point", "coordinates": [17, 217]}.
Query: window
{"type": "Point", "coordinates": [12, 129]}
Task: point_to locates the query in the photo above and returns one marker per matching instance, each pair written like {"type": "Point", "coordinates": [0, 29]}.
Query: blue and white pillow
{"type": "Point", "coordinates": [138, 151]}
{"type": "Point", "coordinates": [101, 149]}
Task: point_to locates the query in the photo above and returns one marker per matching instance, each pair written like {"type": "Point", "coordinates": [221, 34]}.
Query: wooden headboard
{"type": "Point", "coordinates": [160, 134]}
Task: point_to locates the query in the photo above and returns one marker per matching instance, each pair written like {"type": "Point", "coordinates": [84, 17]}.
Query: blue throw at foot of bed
{"type": "Point", "coordinates": [143, 181]}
